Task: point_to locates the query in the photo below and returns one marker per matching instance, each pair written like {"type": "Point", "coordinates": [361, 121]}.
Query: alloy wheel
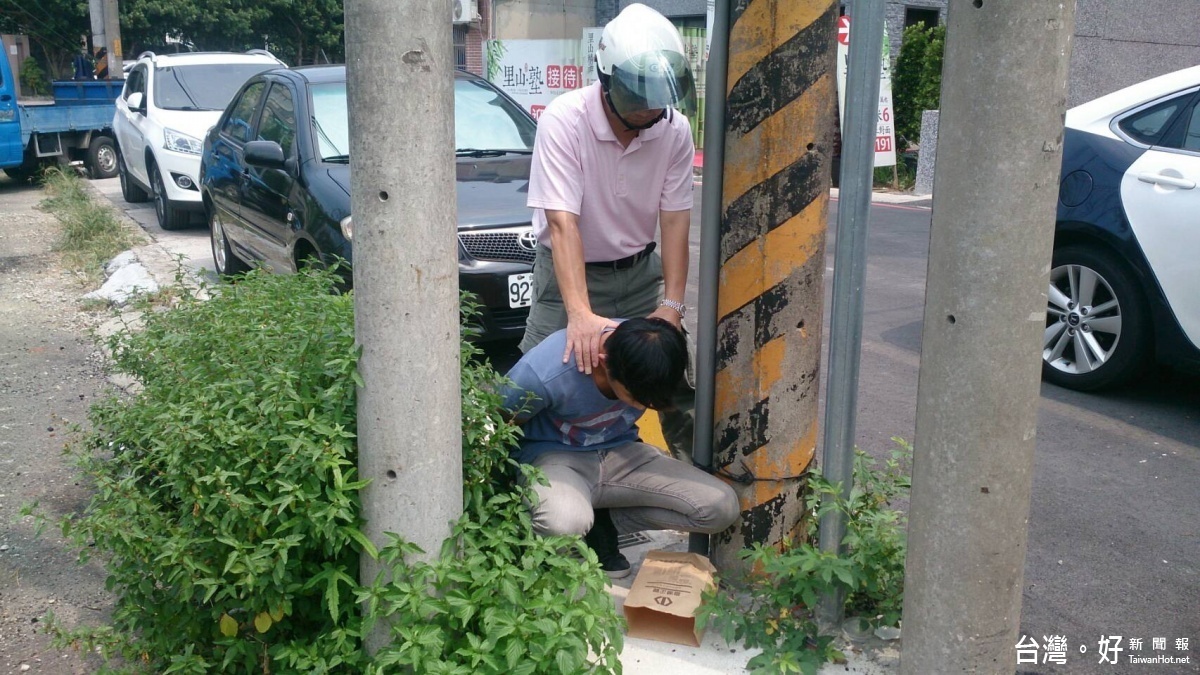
{"type": "Point", "coordinates": [219, 245]}
{"type": "Point", "coordinates": [1083, 320]}
{"type": "Point", "coordinates": [160, 196]}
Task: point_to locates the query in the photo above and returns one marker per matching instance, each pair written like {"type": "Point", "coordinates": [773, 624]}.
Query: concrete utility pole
{"type": "Point", "coordinates": [96, 11]}
{"type": "Point", "coordinates": [112, 37]}
{"type": "Point", "coordinates": [400, 70]}
{"type": "Point", "coordinates": [780, 116]}
{"type": "Point", "coordinates": [999, 150]}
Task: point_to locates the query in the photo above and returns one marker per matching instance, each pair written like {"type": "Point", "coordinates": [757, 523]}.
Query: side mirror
{"type": "Point", "coordinates": [137, 102]}
{"type": "Point", "coordinates": [264, 154]}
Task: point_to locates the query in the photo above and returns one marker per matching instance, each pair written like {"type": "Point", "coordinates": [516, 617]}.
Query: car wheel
{"type": "Point", "coordinates": [21, 174]}
{"type": "Point", "coordinates": [224, 259]}
{"type": "Point", "coordinates": [1097, 330]}
{"type": "Point", "coordinates": [132, 193]}
{"type": "Point", "coordinates": [169, 217]}
{"type": "Point", "coordinates": [102, 158]}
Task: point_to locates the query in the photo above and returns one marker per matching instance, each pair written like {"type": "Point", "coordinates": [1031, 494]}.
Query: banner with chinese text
{"type": "Point", "coordinates": [534, 72]}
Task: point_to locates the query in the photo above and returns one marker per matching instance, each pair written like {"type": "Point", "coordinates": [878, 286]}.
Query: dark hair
{"type": "Point", "coordinates": [647, 356]}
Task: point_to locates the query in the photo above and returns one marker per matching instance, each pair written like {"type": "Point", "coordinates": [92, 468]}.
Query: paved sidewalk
{"type": "Point", "coordinates": [715, 656]}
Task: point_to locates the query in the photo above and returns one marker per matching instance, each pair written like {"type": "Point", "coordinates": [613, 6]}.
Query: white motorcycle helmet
{"type": "Point", "coordinates": [642, 65]}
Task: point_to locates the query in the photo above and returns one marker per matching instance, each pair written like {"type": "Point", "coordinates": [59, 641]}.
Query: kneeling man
{"type": "Point", "coordinates": [579, 430]}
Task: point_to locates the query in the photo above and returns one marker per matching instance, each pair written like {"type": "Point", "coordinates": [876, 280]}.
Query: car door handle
{"type": "Point", "coordinates": [1161, 179]}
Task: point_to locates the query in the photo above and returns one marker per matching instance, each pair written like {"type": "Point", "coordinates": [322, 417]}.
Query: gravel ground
{"type": "Point", "coordinates": [50, 372]}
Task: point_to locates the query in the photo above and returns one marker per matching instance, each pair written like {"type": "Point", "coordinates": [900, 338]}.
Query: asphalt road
{"type": "Point", "coordinates": [1114, 530]}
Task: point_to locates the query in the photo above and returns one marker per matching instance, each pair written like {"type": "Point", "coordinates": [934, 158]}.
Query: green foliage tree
{"type": "Point", "coordinates": [917, 81]}
{"type": "Point", "coordinates": [54, 28]}
{"type": "Point", "coordinates": [33, 80]}
{"type": "Point", "coordinates": [298, 31]}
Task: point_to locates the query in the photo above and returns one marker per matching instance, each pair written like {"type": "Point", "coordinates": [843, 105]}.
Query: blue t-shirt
{"type": "Point", "coordinates": [565, 410]}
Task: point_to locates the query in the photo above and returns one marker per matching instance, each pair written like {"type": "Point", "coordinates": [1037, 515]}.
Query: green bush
{"type": "Point", "coordinates": [917, 85]}
{"type": "Point", "coordinates": [33, 78]}
{"type": "Point", "coordinates": [227, 511]}
{"type": "Point", "coordinates": [772, 606]}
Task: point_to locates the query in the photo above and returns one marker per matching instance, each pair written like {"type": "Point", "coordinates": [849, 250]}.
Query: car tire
{"type": "Point", "coordinates": [225, 261]}
{"type": "Point", "coordinates": [1098, 332]}
{"type": "Point", "coordinates": [21, 174]}
{"type": "Point", "coordinates": [132, 193]}
{"type": "Point", "coordinates": [169, 216]}
{"type": "Point", "coordinates": [102, 158]}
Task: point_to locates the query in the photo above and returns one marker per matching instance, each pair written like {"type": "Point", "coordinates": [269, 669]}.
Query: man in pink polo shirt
{"type": "Point", "coordinates": [612, 164]}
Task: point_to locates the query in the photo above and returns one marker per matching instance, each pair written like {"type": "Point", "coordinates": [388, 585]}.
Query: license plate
{"type": "Point", "coordinates": [520, 290]}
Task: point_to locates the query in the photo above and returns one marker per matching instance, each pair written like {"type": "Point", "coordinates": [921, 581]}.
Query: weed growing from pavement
{"type": "Point", "coordinates": [92, 234]}
{"type": "Point", "coordinates": [772, 605]}
{"type": "Point", "coordinates": [227, 511]}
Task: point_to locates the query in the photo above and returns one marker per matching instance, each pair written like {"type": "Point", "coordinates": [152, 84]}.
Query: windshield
{"type": "Point", "coordinates": [202, 87]}
{"type": "Point", "coordinates": [330, 122]}
{"type": "Point", "coordinates": [483, 120]}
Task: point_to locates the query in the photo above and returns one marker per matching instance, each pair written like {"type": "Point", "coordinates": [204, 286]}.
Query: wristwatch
{"type": "Point", "coordinates": [677, 306]}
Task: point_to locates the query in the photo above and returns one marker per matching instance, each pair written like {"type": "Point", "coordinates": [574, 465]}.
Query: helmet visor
{"type": "Point", "coordinates": [653, 80]}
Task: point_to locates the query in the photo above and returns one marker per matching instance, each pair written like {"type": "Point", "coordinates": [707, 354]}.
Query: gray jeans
{"type": "Point", "coordinates": [642, 488]}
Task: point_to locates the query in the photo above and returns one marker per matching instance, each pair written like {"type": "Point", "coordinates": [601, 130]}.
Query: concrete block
{"type": "Point", "coordinates": [927, 156]}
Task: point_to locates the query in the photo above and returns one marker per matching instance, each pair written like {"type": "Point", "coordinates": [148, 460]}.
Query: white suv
{"type": "Point", "coordinates": [167, 106]}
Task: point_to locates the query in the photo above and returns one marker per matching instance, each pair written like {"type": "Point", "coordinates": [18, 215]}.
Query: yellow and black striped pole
{"type": "Point", "coordinates": [779, 123]}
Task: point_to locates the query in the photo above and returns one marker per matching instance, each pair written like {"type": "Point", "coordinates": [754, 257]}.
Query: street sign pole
{"type": "Point", "coordinates": [849, 270]}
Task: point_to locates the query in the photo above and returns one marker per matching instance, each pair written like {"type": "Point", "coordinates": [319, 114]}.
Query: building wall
{"type": "Point", "coordinates": [478, 33]}
{"type": "Point", "coordinates": [543, 19]}
{"type": "Point", "coordinates": [1122, 42]}
{"type": "Point", "coordinates": [16, 50]}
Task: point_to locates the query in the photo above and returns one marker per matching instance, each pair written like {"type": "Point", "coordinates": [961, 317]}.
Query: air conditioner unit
{"type": "Point", "coordinates": [465, 11]}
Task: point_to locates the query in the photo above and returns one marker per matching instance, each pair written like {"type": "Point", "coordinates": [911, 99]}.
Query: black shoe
{"type": "Point", "coordinates": [602, 539]}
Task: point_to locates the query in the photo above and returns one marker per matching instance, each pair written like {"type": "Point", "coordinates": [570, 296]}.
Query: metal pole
{"type": "Point", "coordinates": [716, 81]}
{"type": "Point", "coordinates": [779, 121]}
{"type": "Point", "coordinates": [400, 71]}
{"type": "Point", "coordinates": [849, 269]}
{"type": "Point", "coordinates": [999, 150]}
{"type": "Point", "coordinates": [112, 37]}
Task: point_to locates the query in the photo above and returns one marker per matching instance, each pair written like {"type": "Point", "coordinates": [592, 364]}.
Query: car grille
{"type": "Point", "coordinates": [499, 246]}
{"type": "Point", "coordinates": [510, 318]}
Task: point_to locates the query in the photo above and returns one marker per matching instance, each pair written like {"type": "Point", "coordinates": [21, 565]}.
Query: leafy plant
{"type": "Point", "coordinates": [772, 606]}
{"type": "Point", "coordinates": [227, 509]}
{"type": "Point", "coordinates": [33, 78]}
{"type": "Point", "coordinates": [917, 84]}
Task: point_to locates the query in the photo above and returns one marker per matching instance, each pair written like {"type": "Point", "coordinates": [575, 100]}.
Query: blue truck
{"type": "Point", "coordinates": [77, 126]}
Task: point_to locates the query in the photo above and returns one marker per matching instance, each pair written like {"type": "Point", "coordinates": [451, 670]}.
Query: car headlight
{"type": "Point", "coordinates": [8, 115]}
{"type": "Point", "coordinates": [180, 142]}
{"type": "Point", "coordinates": [347, 228]}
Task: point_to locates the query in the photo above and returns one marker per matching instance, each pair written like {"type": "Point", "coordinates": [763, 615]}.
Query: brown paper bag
{"type": "Point", "coordinates": [663, 600]}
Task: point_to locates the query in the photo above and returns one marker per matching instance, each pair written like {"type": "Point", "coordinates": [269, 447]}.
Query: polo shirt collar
{"type": "Point", "coordinates": [594, 106]}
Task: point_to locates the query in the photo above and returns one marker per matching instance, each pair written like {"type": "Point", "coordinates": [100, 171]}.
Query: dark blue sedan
{"type": "Point", "coordinates": [275, 180]}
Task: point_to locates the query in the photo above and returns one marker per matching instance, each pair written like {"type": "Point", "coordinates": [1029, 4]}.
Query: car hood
{"type": "Point", "coordinates": [491, 191]}
{"type": "Point", "coordinates": [194, 123]}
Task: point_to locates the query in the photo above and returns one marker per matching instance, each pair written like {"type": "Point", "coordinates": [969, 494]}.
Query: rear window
{"type": "Point", "coordinates": [202, 87]}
